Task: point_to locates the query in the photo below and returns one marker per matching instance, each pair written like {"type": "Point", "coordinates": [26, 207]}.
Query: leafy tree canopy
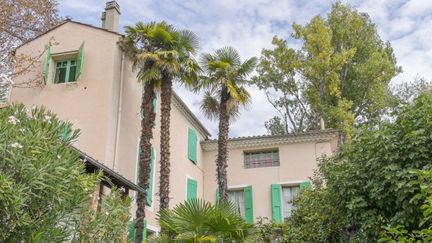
{"type": "Point", "coordinates": [341, 73]}
{"type": "Point", "coordinates": [380, 179]}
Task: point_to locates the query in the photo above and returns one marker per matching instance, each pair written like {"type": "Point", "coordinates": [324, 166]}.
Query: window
{"type": "Point", "coordinates": [192, 145]}
{"type": "Point", "coordinates": [65, 71]}
{"type": "Point", "coordinates": [261, 159]}
{"type": "Point", "coordinates": [243, 200]}
{"type": "Point", "coordinates": [288, 195]}
{"type": "Point", "coordinates": [237, 197]}
{"type": "Point", "coordinates": [191, 191]}
{"type": "Point", "coordinates": [67, 65]}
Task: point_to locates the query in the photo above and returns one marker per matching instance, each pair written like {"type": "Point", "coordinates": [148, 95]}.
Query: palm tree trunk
{"type": "Point", "coordinates": [147, 122]}
{"type": "Point", "coordinates": [164, 186]}
{"type": "Point", "coordinates": [222, 157]}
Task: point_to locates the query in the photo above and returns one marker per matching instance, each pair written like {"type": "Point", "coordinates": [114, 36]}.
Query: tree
{"type": "Point", "coordinates": [160, 54]}
{"type": "Point", "coordinates": [224, 80]}
{"type": "Point", "coordinates": [341, 72]}
{"type": "Point", "coordinates": [200, 221]}
{"type": "Point", "coordinates": [20, 21]}
{"type": "Point", "coordinates": [370, 185]}
{"type": "Point", "coordinates": [174, 60]}
{"type": "Point", "coordinates": [44, 190]}
{"type": "Point", "coordinates": [138, 45]}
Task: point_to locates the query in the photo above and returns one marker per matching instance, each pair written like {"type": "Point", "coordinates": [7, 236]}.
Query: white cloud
{"type": "Point", "coordinates": [249, 26]}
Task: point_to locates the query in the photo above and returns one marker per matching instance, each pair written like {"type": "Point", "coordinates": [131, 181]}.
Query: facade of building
{"type": "Point", "coordinates": [88, 81]}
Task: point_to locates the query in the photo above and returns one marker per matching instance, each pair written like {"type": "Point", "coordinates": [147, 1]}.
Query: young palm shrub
{"type": "Point", "coordinates": [200, 221]}
{"type": "Point", "coordinates": [224, 80]}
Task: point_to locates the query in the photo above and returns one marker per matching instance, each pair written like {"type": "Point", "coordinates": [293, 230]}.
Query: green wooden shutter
{"type": "Point", "coordinates": [80, 61]}
{"type": "Point", "coordinates": [132, 231]}
{"type": "Point", "coordinates": [276, 190]}
{"type": "Point", "coordinates": [191, 189]}
{"type": "Point", "coordinates": [248, 201]}
{"type": "Point", "coordinates": [217, 195]}
{"type": "Point", "coordinates": [150, 188]}
{"type": "Point", "coordinates": [46, 63]}
{"type": "Point", "coordinates": [192, 145]}
{"type": "Point", "coordinates": [305, 185]}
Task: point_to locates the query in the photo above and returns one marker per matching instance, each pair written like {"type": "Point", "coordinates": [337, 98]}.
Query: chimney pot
{"type": "Point", "coordinates": [111, 16]}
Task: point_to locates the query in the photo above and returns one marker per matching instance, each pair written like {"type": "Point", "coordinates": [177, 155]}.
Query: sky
{"type": "Point", "coordinates": [249, 26]}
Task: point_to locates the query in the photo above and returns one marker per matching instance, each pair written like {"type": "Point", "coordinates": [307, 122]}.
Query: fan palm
{"type": "Point", "coordinates": [161, 54]}
{"type": "Point", "coordinates": [138, 44]}
{"type": "Point", "coordinates": [172, 60]}
{"type": "Point", "coordinates": [199, 221]}
{"type": "Point", "coordinates": [224, 80]}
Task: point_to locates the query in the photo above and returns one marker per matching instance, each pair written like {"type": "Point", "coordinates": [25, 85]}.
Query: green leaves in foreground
{"type": "Point", "coordinates": [200, 221]}
{"type": "Point", "coordinates": [45, 194]}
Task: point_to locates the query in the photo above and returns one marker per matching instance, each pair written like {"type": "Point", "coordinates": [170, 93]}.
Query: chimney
{"type": "Point", "coordinates": [111, 16]}
{"type": "Point", "coordinates": [322, 124]}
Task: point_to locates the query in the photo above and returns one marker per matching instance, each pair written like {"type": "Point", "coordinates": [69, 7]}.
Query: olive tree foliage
{"type": "Point", "coordinates": [341, 73]}
{"type": "Point", "coordinates": [371, 184]}
{"type": "Point", "coordinates": [45, 194]}
{"type": "Point", "coordinates": [20, 21]}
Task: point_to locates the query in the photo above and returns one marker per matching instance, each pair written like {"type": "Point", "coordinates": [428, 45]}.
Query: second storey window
{"type": "Point", "coordinates": [65, 71]}
{"type": "Point", "coordinates": [261, 159]}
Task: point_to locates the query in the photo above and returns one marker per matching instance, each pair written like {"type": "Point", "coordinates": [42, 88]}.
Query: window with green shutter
{"type": "Point", "coordinates": [191, 192]}
{"type": "Point", "coordinates": [276, 191]}
{"type": "Point", "coordinates": [132, 231]}
{"type": "Point", "coordinates": [243, 201]}
{"type": "Point", "coordinates": [248, 202]}
{"type": "Point", "coordinates": [192, 145]}
{"type": "Point", "coordinates": [152, 164]}
{"type": "Point", "coordinates": [46, 64]}
{"type": "Point", "coordinates": [67, 68]}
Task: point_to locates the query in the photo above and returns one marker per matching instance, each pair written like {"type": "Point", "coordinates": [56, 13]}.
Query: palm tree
{"type": "Point", "coordinates": [138, 44]}
{"type": "Point", "coordinates": [199, 221]}
{"type": "Point", "coordinates": [174, 60]}
{"type": "Point", "coordinates": [224, 80]}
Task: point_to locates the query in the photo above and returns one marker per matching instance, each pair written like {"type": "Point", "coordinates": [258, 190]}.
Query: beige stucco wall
{"type": "Point", "coordinates": [127, 147]}
{"type": "Point", "coordinates": [87, 103]}
{"type": "Point", "coordinates": [298, 160]}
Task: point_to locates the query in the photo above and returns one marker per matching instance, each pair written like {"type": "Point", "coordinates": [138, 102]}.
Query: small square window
{"type": "Point", "coordinates": [65, 71]}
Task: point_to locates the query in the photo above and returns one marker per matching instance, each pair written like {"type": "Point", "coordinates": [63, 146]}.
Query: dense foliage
{"type": "Point", "coordinates": [380, 180]}
{"type": "Point", "coordinates": [341, 73]}
{"type": "Point", "coordinates": [200, 221]}
{"type": "Point", "coordinates": [44, 191]}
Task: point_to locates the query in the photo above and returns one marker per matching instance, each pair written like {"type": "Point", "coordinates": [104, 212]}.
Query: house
{"type": "Point", "coordinates": [89, 81]}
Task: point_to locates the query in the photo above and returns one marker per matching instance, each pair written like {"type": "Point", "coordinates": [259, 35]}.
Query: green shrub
{"type": "Point", "coordinates": [44, 191]}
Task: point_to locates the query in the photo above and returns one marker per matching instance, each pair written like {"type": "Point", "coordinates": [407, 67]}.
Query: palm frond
{"type": "Point", "coordinates": [189, 41]}
{"type": "Point", "coordinates": [210, 106]}
{"type": "Point", "coordinates": [229, 55]}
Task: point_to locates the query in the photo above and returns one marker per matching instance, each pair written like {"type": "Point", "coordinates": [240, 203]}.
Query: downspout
{"type": "Point", "coordinates": [119, 109]}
